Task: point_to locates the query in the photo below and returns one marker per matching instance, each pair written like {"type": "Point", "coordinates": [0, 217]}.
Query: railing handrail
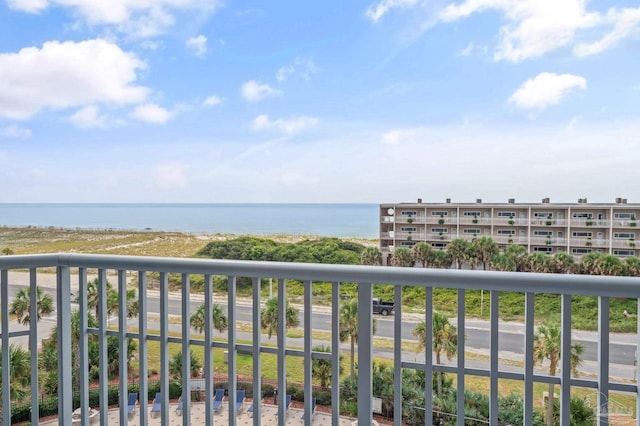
{"type": "Point", "coordinates": [590, 285]}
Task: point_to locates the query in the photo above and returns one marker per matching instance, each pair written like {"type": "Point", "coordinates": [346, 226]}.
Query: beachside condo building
{"type": "Point", "coordinates": [575, 228]}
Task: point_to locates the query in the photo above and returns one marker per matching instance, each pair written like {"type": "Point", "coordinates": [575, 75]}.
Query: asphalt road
{"type": "Point", "coordinates": [477, 336]}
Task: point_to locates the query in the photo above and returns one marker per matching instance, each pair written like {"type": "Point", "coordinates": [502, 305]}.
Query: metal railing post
{"type": "Point", "coordinates": [65, 389]}
{"type": "Point", "coordinates": [365, 349]}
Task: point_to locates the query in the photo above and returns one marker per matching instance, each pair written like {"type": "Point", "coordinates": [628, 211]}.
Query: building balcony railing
{"type": "Point", "coordinates": [589, 242]}
{"type": "Point", "coordinates": [589, 223]}
{"type": "Point", "coordinates": [73, 270]}
{"type": "Point", "coordinates": [630, 244]}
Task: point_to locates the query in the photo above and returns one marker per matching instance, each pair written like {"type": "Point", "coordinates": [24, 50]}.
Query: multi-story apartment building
{"type": "Point", "coordinates": [576, 228]}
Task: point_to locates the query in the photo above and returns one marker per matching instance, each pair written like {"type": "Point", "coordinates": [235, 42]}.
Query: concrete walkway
{"type": "Point", "coordinates": [221, 417]}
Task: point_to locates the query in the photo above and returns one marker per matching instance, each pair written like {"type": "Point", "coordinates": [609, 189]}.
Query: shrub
{"type": "Point", "coordinates": [323, 397]}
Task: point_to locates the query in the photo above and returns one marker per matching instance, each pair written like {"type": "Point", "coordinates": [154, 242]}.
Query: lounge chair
{"type": "Point", "coordinates": [217, 399]}
{"type": "Point", "coordinates": [133, 400]}
{"type": "Point", "coordinates": [155, 408]}
{"type": "Point", "coordinates": [313, 409]}
{"type": "Point", "coordinates": [239, 401]}
{"type": "Point", "coordinates": [179, 407]}
{"type": "Point", "coordinates": [250, 409]}
{"type": "Point", "coordinates": [286, 406]}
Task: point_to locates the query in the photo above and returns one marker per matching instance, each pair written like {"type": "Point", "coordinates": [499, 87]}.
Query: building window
{"type": "Point", "coordinates": [580, 250]}
{"type": "Point", "coordinates": [542, 214]}
{"type": "Point", "coordinates": [436, 213]}
{"type": "Point", "coordinates": [624, 235]}
{"type": "Point", "coordinates": [407, 243]}
{"type": "Point", "coordinates": [506, 214]}
{"type": "Point", "coordinates": [438, 245]}
{"type": "Point", "coordinates": [623, 252]}
{"type": "Point", "coordinates": [543, 249]}
{"type": "Point", "coordinates": [582, 215]}
{"type": "Point", "coordinates": [506, 232]}
{"type": "Point", "coordinates": [409, 213]}
{"type": "Point", "coordinates": [582, 234]}
{"type": "Point", "coordinates": [439, 230]}
{"type": "Point", "coordinates": [471, 214]}
{"type": "Point", "coordinates": [542, 233]}
{"type": "Point", "coordinates": [408, 229]}
{"type": "Point", "coordinates": [471, 231]}
{"type": "Point", "coordinates": [624, 216]}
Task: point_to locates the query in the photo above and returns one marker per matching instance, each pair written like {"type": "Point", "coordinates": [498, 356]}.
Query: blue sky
{"type": "Point", "coordinates": [332, 101]}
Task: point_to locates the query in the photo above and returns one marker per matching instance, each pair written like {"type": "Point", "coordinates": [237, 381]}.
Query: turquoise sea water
{"type": "Point", "coordinates": [335, 220]}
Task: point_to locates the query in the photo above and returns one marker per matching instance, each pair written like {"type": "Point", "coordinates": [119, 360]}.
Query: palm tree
{"type": "Point", "coordinates": [538, 262]}
{"type": "Point", "coordinates": [422, 253]}
{"type": "Point", "coordinates": [441, 259]}
{"type": "Point", "coordinates": [547, 345]}
{"type": "Point", "coordinates": [518, 254]}
{"type": "Point", "coordinates": [402, 257]}
{"type": "Point", "coordinates": [219, 319]}
{"type": "Point", "coordinates": [21, 306]}
{"type": "Point", "coordinates": [113, 355]}
{"type": "Point", "coordinates": [371, 256]}
{"type": "Point", "coordinates": [609, 265]}
{"type": "Point", "coordinates": [589, 263]}
{"type": "Point", "coordinates": [445, 340]}
{"type": "Point", "coordinates": [502, 262]}
{"type": "Point", "coordinates": [562, 263]}
{"type": "Point", "coordinates": [175, 365]}
{"type": "Point", "coordinates": [322, 368]}
{"type": "Point", "coordinates": [112, 300]}
{"type": "Point", "coordinates": [92, 322]}
{"type": "Point", "coordinates": [458, 251]}
{"type": "Point", "coordinates": [20, 374]}
{"type": "Point", "coordinates": [269, 316]}
{"type": "Point", "coordinates": [484, 249]}
{"type": "Point", "coordinates": [349, 328]}
{"type": "Point", "coordinates": [632, 266]}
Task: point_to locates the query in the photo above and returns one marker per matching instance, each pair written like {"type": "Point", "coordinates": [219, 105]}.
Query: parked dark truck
{"type": "Point", "coordinates": [382, 308]}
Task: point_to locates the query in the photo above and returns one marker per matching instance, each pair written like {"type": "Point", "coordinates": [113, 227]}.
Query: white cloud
{"type": "Point", "coordinates": [88, 117]}
{"type": "Point", "coordinates": [399, 137]}
{"type": "Point", "coordinates": [151, 113]}
{"type": "Point", "coordinates": [85, 73]}
{"type": "Point", "coordinates": [468, 50]}
{"type": "Point", "coordinates": [254, 91]}
{"type": "Point", "coordinates": [171, 175]}
{"type": "Point", "coordinates": [197, 45]}
{"type": "Point", "coordinates": [290, 126]}
{"type": "Point", "coordinates": [625, 22]}
{"type": "Point", "coordinates": [31, 6]}
{"type": "Point", "coordinates": [284, 72]}
{"type": "Point", "coordinates": [16, 132]}
{"type": "Point", "coordinates": [139, 18]}
{"type": "Point", "coordinates": [378, 10]}
{"type": "Point", "coordinates": [533, 28]}
{"type": "Point", "coordinates": [302, 67]}
{"type": "Point", "coordinates": [546, 89]}
{"type": "Point", "coordinates": [213, 100]}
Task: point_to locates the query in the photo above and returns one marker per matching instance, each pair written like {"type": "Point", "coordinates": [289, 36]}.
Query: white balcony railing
{"type": "Point", "coordinates": [72, 270]}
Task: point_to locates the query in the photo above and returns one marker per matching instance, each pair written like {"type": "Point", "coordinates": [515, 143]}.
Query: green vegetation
{"type": "Point", "coordinates": [269, 316]}
{"type": "Point", "coordinates": [323, 250]}
{"type": "Point", "coordinates": [547, 345]}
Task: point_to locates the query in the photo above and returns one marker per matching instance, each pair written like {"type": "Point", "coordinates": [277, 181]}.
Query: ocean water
{"type": "Point", "coordinates": [332, 220]}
